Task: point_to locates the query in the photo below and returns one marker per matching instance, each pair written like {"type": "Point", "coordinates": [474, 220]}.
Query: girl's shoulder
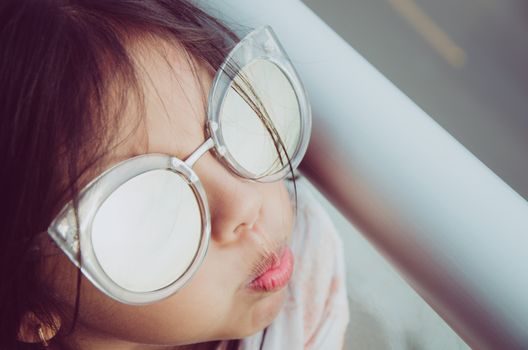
{"type": "Point", "coordinates": [315, 313]}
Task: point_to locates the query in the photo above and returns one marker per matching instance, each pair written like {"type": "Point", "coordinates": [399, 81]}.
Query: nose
{"type": "Point", "coordinates": [234, 202]}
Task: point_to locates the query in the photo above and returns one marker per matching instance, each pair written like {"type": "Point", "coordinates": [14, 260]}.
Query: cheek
{"type": "Point", "coordinates": [191, 315]}
{"type": "Point", "coordinates": [211, 306]}
{"type": "Point", "coordinates": [279, 209]}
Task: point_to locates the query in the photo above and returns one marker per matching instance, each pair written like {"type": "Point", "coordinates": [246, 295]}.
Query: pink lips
{"type": "Point", "coordinates": [277, 275]}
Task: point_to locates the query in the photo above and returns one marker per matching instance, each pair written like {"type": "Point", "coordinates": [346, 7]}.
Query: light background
{"type": "Point", "coordinates": [464, 63]}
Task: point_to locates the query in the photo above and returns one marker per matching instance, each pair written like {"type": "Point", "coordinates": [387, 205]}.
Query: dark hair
{"type": "Point", "coordinates": [59, 60]}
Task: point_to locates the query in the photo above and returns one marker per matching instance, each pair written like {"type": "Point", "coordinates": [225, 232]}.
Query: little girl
{"type": "Point", "coordinates": [147, 160]}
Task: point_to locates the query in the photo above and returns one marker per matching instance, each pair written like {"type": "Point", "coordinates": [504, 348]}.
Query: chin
{"type": "Point", "coordinates": [266, 310]}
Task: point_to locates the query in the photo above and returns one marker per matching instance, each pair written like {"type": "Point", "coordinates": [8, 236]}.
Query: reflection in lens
{"type": "Point", "coordinates": [246, 136]}
{"type": "Point", "coordinates": [146, 234]}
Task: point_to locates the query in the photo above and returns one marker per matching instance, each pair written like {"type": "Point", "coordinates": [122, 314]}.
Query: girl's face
{"type": "Point", "coordinates": [247, 219]}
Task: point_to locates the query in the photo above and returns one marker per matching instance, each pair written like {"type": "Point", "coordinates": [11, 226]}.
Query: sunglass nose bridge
{"type": "Point", "coordinates": [204, 147]}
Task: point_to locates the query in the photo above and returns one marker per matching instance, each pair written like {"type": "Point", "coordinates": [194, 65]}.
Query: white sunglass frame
{"type": "Point", "coordinates": [258, 44]}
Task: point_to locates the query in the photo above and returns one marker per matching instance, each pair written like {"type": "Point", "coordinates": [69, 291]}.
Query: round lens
{"type": "Point", "coordinates": [260, 119]}
{"type": "Point", "coordinates": [147, 232]}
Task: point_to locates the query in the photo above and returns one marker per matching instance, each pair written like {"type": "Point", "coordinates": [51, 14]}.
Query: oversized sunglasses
{"type": "Point", "coordinates": [144, 224]}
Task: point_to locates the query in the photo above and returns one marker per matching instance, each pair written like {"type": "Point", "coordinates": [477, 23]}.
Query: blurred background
{"type": "Point", "coordinates": [464, 63]}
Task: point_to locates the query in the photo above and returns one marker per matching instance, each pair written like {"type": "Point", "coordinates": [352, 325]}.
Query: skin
{"type": "Point", "coordinates": [247, 218]}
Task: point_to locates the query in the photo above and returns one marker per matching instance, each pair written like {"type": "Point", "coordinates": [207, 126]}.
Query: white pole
{"type": "Point", "coordinates": [455, 230]}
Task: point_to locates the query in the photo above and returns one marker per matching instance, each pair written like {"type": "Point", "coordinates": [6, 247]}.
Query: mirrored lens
{"type": "Point", "coordinates": [147, 233]}
{"type": "Point", "coordinates": [259, 112]}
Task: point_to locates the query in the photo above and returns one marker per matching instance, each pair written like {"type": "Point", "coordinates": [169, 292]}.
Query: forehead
{"type": "Point", "coordinates": [169, 115]}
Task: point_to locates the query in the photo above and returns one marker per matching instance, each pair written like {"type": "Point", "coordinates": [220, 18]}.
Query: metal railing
{"type": "Point", "coordinates": [454, 229]}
